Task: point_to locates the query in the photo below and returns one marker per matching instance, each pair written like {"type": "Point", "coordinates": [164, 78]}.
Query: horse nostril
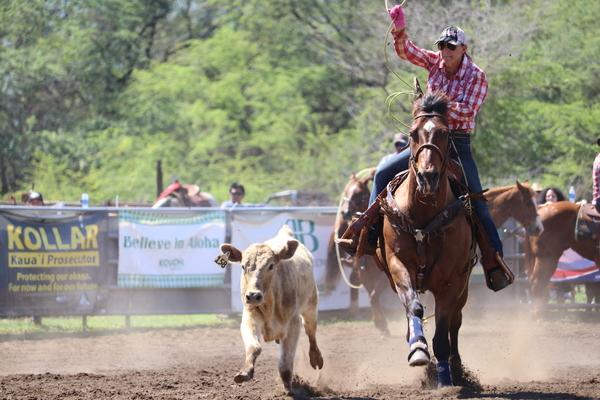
{"type": "Point", "coordinates": [435, 176]}
{"type": "Point", "coordinates": [420, 179]}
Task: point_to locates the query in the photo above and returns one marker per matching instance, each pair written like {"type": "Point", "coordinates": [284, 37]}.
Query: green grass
{"type": "Point", "coordinates": [25, 326]}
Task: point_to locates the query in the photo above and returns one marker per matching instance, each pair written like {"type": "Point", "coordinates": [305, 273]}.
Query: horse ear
{"type": "Point", "coordinates": [524, 190]}
{"type": "Point", "coordinates": [418, 90]}
{"type": "Point", "coordinates": [369, 175]}
{"type": "Point", "coordinates": [519, 185]}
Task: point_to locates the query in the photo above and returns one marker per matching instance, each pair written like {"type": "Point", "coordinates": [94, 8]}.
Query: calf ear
{"type": "Point", "coordinates": [289, 250]}
{"type": "Point", "coordinates": [234, 254]}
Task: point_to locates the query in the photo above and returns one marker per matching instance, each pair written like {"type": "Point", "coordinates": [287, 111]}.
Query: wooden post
{"type": "Point", "coordinates": [159, 178]}
{"type": "Point", "coordinates": [84, 324]}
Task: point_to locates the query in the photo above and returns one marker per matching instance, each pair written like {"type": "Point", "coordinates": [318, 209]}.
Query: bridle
{"type": "Point", "coordinates": [431, 146]}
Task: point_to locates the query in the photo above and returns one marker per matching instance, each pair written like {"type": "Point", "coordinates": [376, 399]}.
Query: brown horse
{"type": "Point", "coordinates": [184, 195]}
{"type": "Point", "coordinates": [543, 251]}
{"type": "Point", "coordinates": [355, 198]}
{"type": "Point", "coordinates": [428, 239]}
{"type": "Point", "coordinates": [514, 201]}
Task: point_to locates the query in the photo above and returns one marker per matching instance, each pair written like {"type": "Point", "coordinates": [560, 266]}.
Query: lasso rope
{"type": "Point", "coordinates": [392, 97]}
{"type": "Point", "coordinates": [337, 249]}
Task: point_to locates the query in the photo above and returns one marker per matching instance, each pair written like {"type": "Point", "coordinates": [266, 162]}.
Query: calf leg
{"type": "Point", "coordinates": [249, 329]}
{"type": "Point", "coordinates": [310, 316]}
{"type": "Point", "coordinates": [287, 353]}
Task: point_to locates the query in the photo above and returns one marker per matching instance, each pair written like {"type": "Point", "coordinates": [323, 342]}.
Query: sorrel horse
{"type": "Point", "coordinates": [515, 201]}
{"type": "Point", "coordinates": [428, 239]}
{"type": "Point", "coordinates": [543, 251]}
{"type": "Point", "coordinates": [355, 198]}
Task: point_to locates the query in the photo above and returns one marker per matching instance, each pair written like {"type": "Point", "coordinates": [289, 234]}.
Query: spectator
{"type": "Point", "coordinates": [596, 180]}
{"type": "Point", "coordinates": [32, 198]}
{"type": "Point", "coordinates": [236, 193]}
{"type": "Point", "coordinates": [400, 142]}
{"type": "Point", "coordinates": [550, 195]}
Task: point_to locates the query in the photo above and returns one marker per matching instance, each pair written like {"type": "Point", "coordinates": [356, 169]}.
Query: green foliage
{"type": "Point", "coordinates": [276, 95]}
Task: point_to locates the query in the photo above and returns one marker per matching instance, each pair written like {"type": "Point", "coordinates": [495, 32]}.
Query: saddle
{"type": "Point", "coordinates": [588, 223]}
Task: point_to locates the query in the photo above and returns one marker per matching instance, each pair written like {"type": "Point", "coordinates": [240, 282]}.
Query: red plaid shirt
{"type": "Point", "coordinates": [466, 89]}
{"type": "Point", "coordinates": [596, 179]}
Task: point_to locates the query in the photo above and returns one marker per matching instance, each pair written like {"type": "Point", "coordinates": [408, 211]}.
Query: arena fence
{"type": "Point", "coordinates": [133, 261]}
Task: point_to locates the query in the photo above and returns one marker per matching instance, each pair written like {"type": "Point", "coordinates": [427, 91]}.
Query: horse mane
{"type": "Point", "coordinates": [432, 102]}
{"type": "Point", "coordinates": [493, 192]}
{"type": "Point", "coordinates": [496, 191]}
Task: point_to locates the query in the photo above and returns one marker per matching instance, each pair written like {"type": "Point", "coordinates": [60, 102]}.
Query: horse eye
{"type": "Point", "coordinates": [270, 267]}
{"type": "Point", "coordinates": [243, 268]}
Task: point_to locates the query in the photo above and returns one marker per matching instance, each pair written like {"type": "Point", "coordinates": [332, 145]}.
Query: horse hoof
{"type": "Point", "coordinates": [419, 358]}
{"type": "Point", "coordinates": [419, 355]}
{"type": "Point", "coordinates": [444, 375]}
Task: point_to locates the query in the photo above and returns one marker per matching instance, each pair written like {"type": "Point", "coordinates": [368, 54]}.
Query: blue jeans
{"type": "Point", "coordinates": [399, 162]}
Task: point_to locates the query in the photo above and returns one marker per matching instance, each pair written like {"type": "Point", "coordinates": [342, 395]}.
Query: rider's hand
{"type": "Point", "coordinates": [397, 15]}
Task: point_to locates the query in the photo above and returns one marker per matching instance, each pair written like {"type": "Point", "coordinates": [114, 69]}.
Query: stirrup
{"type": "Point", "coordinates": [500, 276]}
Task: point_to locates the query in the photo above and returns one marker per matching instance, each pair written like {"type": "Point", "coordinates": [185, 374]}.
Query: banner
{"type": "Point", "coordinates": [161, 249]}
{"type": "Point", "coordinates": [575, 269]}
{"type": "Point", "coordinates": [53, 264]}
{"type": "Point", "coordinates": [311, 228]}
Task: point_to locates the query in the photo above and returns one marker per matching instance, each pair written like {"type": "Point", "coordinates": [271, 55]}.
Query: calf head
{"type": "Point", "coordinates": [259, 265]}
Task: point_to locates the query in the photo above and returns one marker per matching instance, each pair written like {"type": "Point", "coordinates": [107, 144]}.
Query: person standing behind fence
{"type": "Point", "coordinates": [32, 198]}
{"type": "Point", "coordinates": [550, 195]}
{"type": "Point", "coordinates": [236, 193]}
{"type": "Point", "coordinates": [596, 180]}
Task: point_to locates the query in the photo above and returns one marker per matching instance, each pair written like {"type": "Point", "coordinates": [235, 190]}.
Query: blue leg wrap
{"type": "Point", "coordinates": [415, 326]}
{"type": "Point", "coordinates": [443, 374]}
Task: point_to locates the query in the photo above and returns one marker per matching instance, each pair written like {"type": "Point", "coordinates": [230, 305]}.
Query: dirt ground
{"type": "Point", "coordinates": [511, 356]}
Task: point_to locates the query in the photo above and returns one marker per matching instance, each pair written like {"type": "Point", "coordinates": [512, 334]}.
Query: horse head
{"type": "Point", "coordinates": [429, 141]}
{"type": "Point", "coordinates": [355, 197]}
{"type": "Point", "coordinates": [525, 210]}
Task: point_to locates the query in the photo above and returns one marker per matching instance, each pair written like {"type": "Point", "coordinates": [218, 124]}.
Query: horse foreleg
{"type": "Point", "coordinates": [418, 349]}
{"type": "Point", "coordinates": [375, 295]}
{"type": "Point", "coordinates": [445, 310]}
{"type": "Point", "coordinates": [543, 269]}
{"type": "Point", "coordinates": [455, 324]}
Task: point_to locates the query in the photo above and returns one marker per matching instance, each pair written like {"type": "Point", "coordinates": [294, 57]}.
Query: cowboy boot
{"type": "Point", "coordinates": [351, 237]}
{"type": "Point", "coordinates": [369, 237]}
{"type": "Point", "coordinates": [497, 274]}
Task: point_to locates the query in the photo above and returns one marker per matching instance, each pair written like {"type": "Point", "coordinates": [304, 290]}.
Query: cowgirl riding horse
{"type": "Point", "coordinates": [452, 72]}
